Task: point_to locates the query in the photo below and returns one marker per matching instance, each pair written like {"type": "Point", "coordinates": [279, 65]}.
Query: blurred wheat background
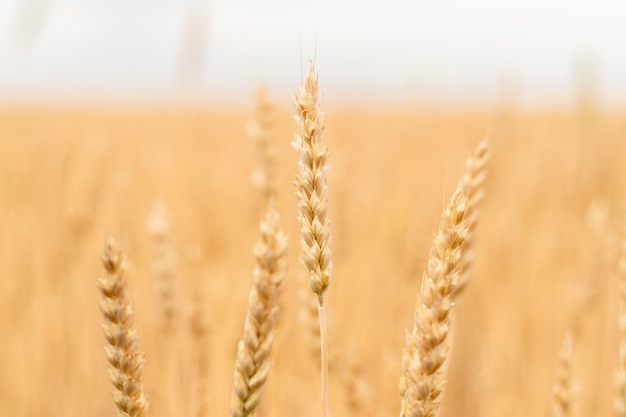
{"type": "Point", "coordinates": [177, 183]}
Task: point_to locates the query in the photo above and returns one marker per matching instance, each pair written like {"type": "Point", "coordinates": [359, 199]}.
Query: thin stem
{"type": "Point", "coordinates": [324, 353]}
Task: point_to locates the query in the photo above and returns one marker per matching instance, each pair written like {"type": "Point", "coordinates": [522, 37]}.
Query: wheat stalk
{"type": "Point", "coordinates": [125, 361]}
{"type": "Point", "coordinates": [425, 351]}
{"type": "Point", "coordinates": [312, 197]}
{"type": "Point", "coordinates": [253, 352]}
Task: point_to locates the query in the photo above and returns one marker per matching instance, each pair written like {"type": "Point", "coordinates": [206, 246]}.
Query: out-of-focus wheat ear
{"type": "Point", "coordinates": [308, 319]}
{"type": "Point", "coordinates": [252, 365]}
{"type": "Point", "coordinates": [474, 176]}
{"type": "Point", "coordinates": [425, 352]}
{"type": "Point", "coordinates": [121, 342]}
{"type": "Point", "coordinates": [620, 377]}
{"type": "Point", "coordinates": [312, 198]}
{"type": "Point", "coordinates": [261, 133]}
{"type": "Point", "coordinates": [562, 391]}
{"type": "Point", "coordinates": [164, 262]}
{"type": "Point", "coordinates": [199, 329]}
{"type": "Point", "coordinates": [356, 385]}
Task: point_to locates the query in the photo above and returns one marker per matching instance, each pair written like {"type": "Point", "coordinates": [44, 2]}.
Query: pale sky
{"type": "Point", "coordinates": [451, 52]}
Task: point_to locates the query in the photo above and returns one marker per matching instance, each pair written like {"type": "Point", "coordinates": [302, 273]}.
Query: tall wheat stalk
{"type": "Point", "coordinates": [125, 361]}
{"type": "Point", "coordinates": [312, 197]}
{"type": "Point", "coordinates": [253, 363]}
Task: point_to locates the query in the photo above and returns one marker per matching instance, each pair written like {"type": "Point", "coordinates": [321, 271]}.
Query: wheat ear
{"type": "Point", "coordinates": [253, 352]}
{"type": "Point", "coordinates": [312, 197]}
{"type": "Point", "coordinates": [261, 133]}
{"type": "Point", "coordinates": [163, 266]}
{"type": "Point", "coordinates": [562, 390]}
{"type": "Point", "coordinates": [474, 177]}
{"type": "Point", "coordinates": [199, 329]}
{"type": "Point", "coordinates": [425, 351]}
{"type": "Point", "coordinates": [308, 320]}
{"type": "Point", "coordinates": [125, 361]}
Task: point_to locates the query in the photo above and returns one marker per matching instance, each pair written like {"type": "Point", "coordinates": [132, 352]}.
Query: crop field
{"type": "Point", "coordinates": [178, 187]}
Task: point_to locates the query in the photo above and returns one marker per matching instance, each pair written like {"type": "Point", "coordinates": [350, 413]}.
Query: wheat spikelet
{"type": "Point", "coordinates": [125, 361]}
{"type": "Point", "coordinates": [620, 377]}
{"type": "Point", "coordinates": [253, 352]}
{"type": "Point", "coordinates": [562, 390]}
{"type": "Point", "coordinates": [260, 131]}
{"type": "Point", "coordinates": [474, 177]}
{"type": "Point", "coordinates": [312, 197]}
{"type": "Point", "coordinates": [425, 351]}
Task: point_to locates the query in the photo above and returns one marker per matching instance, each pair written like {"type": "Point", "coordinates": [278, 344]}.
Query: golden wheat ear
{"type": "Point", "coordinates": [474, 177]}
{"type": "Point", "coordinates": [253, 363]}
{"type": "Point", "coordinates": [425, 352]}
{"type": "Point", "coordinates": [121, 342]}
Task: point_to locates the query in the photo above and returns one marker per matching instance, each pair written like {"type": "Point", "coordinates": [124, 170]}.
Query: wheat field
{"type": "Point", "coordinates": [546, 250]}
